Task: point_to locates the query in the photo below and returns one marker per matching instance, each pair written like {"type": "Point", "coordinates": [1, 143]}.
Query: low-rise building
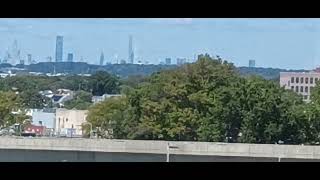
{"type": "Point", "coordinates": [47, 93]}
{"type": "Point", "coordinates": [300, 82]}
{"type": "Point", "coordinates": [3, 75]}
{"type": "Point", "coordinates": [70, 121]}
{"type": "Point", "coordinates": [62, 96]}
{"type": "Point", "coordinates": [29, 112]}
{"type": "Point", "coordinates": [97, 99]}
{"type": "Point", "coordinates": [45, 118]}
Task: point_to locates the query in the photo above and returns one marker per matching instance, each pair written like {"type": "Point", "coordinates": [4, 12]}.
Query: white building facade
{"type": "Point", "coordinates": [70, 121]}
{"type": "Point", "coordinates": [300, 82]}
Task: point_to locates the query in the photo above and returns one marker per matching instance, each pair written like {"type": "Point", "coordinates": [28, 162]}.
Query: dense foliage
{"type": "Point", "coordinates": [9, 104]}
{"type": "Point", "coordinates": [209, 101]}
{"type": "Point", "coordinates": [28, 87]}
{"type": "Point", "coordinates": [81, 101]}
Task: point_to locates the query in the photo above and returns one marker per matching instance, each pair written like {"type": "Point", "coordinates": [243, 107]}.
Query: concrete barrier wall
{"type": "Point", "coordinates": [160, 147]}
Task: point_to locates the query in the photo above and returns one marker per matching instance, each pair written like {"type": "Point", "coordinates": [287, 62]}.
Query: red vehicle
{"type": "Point", "coordinates": [38, 130]}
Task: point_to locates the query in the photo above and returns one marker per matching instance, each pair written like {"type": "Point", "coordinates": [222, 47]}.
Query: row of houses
{"type": "Point", "coordinates": [59, 97]}
{"type": "Point", "coordinates": [56, 122]}
{"type": "Point", "coordinates": [60, 121]}
{"type": "Point", "coordinates": [63, 95]}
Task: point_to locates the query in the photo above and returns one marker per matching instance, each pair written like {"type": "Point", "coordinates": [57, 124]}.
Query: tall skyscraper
{"type": "Point", "coordinates": [131, 53]}
{"type": "Point", "coordinates": [122, 61]}
{"type": "Point", "coordinates": [101, 59]}
{"type": "Point", "coordinates": [6, 57]}
{"type": "Point", "coordinates": [29, 58]}
{"type": "Point", "coordinates": [59, 48]}
{"type": "Point", "coordinates": [252, 63]}
{"type": "Point", "coordinates": [168, 61]}
{"type": "Point", "coordinates": [14, 56]}
{"type": "Point", "coordinates": [49, 59]}
{"type": "Point", "coordinates": [181, 61]}
{"type": "Point", "coordinates": [70, 57]}
{"type": "Point", "coordinates": [21, 61]}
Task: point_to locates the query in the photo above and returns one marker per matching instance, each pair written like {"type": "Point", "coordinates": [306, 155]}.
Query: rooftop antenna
{"type": "Point", "coordinates": [116, 58]}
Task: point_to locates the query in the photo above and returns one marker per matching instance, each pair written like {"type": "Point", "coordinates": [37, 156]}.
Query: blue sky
{"type": "Point", "coordinates": [281, 43]}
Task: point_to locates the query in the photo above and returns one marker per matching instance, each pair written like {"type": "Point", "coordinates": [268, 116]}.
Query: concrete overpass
{"type": "Point", "coordinates": [82, 150]}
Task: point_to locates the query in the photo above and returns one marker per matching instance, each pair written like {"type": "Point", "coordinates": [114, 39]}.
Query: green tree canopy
{"type": "Point", "coordinates": [81, 101]}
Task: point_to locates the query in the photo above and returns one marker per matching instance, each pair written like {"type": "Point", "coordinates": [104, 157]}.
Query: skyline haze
{"type": "Point", "coordinates": [278, 43]}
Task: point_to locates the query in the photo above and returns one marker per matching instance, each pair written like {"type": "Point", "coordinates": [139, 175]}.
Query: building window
{"type": "Point", "coordinates": [316, 80]}
{"type": "Point", "coordinates": [301, 80]}
{"type": "Point", "coordinates": [307, 80]}
{"type": "Point", "coordinates": [292, 79]}
{"type": "Point", "coordinates": [66, 119]}
{"type": "Point", "coordinates": [306, 89]}
{"type": "Point", "coordinates": [297, 80]}
{"type": "Point", "coordinates": [297, 88]}
{"type": "Point", "coordinates": [305, 96]}
{"type": "Point", "coordinates": [311, 88]}
{"type": "Point", "coordinates": [311, 80]}
{"type": "Point", "coordinates": [292, 88]}
{"type": "Point", "coordinates": [301, 88]}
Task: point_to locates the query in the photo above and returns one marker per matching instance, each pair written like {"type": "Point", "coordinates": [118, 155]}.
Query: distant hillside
{"type": "Point", "coordinates": [267, 73]}
{"type": "Point", "coordinates": [125, 70]}
{"type": "Point", "coordinates": [122, 70]}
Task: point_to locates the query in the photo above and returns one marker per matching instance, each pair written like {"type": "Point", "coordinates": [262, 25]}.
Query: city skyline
{"type": "Point", "coordinates": [278, 43]}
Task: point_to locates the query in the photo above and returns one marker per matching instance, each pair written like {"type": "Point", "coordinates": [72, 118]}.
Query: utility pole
{"type": "Point", "coordinates": [168, 152]}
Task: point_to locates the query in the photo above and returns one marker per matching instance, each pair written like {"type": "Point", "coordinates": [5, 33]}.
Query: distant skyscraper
{"type": "Point", "coordinates": [22, 61]}
{"type": "Point", "coordinates": [13, 57]}
{"type": "Point", "coordinates": [59, 48]}
{"type": "Point", "coordinates": [131, 53]}
{"type": "Point", "coordinates": [168, 61]}
{"type": "Point", "coordinates": [252, 63]}
{"type": "Point", "coordinates": [70, 57]}
{"type": "Point", "coordinates": [49, 59]}
{"type": "Point", "coordinates": [101, 59]}
{"type": "Point", "coordinates": [6, 57]}
{"type": "Point", "coordinates": [29, 58]}
{"type": "Point", "coordinates": [181, 61]}
{"type": "Point", "coordinates": [122, 62]}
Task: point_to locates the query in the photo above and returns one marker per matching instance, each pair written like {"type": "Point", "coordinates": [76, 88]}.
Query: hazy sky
{"type": "Point", "coordinates": [283, 43]}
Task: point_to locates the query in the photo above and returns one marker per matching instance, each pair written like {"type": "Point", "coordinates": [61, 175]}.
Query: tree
{"type": "Point", "coordinates": [102, 83]}
{"type": "Point", "coordinates": [81, 101]}
{"type": "Point", "coordinates": [32, 99]}
{"type": "Point", "coordinates": [110, 114]}
{"type": "Point", "coordinates": [10, 102]}
{"type": "Point", "coordinates": [209, 101]}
